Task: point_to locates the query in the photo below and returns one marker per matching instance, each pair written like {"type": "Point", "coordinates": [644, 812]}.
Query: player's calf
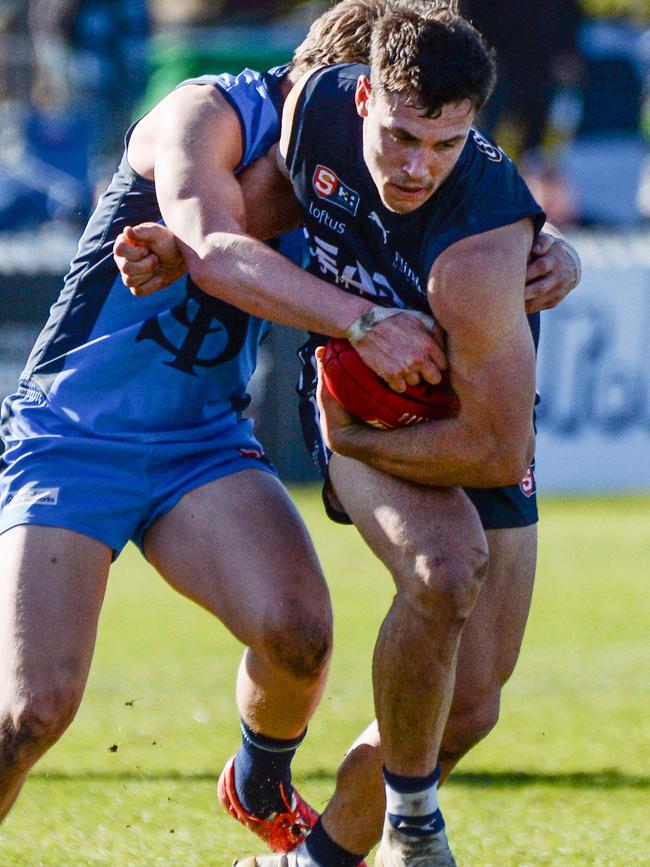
{"type": "Point", "coordinates": [279, 684]}
{"type": "Point", "coordinates": [467, 726]}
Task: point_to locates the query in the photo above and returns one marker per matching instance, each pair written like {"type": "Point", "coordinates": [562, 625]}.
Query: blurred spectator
{"type": "Point", "coordinates": [568, 106]}
{"type": "Point", "coordinates": [552, 188]}
{"type": "Point", "coordinates": [536, 48]}
{"type": "Point", "coordinates": [608, 154]}
{"type": "Point", "coordinates": [15, 51]}
{"type": "Point", "coordinates": [102, 47]}
{"type": "Point", "coordinates": [67, 94]}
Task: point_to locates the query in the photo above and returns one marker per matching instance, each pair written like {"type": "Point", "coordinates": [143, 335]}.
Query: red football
{"type": "Point", "coordinates": [368, 397]}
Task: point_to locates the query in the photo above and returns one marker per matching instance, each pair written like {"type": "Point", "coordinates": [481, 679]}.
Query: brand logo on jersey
{"type": "Point", "coordinates": [29, 496]}
{"type": "Point", "coordinates": [491, 151]}
{"type": "Point", "coordinates": [527, 485]}
{"type": "Point", "coordinates": [400, 264]}
{"type": "Point", "coordinates": [327, 185]}
{"type": "Point", "coordinates": [373, 216]}
{"type": "Point", "coordinates": [373, 285]}
{"type": "Point", "coordinates": [325, 219]}
{"type": "Point", "coordinates": [199, 332]}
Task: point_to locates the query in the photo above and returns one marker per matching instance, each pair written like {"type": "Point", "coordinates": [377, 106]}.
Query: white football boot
{"type": "Point", "coordinates": [401, 850]}
{"type": "Point", "coordinates": [298, 858]}
{"type": "Point", "coordinates": [265, 861]}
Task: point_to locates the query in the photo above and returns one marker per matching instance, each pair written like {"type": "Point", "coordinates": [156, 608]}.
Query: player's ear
{"type": "Point", "coordinates": [362, 95]}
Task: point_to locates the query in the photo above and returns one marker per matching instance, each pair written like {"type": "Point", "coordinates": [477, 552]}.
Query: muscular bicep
{"type": "Point", "coordinates": [476, 293]}
{"type": "Point", "coordinates": [198, 147]}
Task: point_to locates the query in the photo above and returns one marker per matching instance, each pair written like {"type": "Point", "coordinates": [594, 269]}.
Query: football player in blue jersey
{"type": "Point", "coordinates": [128, 423]}
{"type": "Point", "coordinates": [428, 537]}
{"type": "Point", "coordinates": [439, 580]}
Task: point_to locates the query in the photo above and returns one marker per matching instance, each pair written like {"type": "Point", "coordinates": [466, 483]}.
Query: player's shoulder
{"type": "Point", "coordinates": [485, 191]}
{"type": "Point", "coordinates": [338, 79]}
{"type": "Point", "coordinates": [247, 81]}
{"type": "Point", "coordinates": [328, 81]}
{"type": "Point", "coordinates": [247, 91]}
{"type": "Point", "coordinates": [485, 164]}
{"type": "Point", "coordinates": [251, 101]}
{"type": "Point", "coordinates": [321, 95]}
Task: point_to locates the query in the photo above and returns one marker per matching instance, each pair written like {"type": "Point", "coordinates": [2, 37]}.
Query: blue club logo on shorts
{"type": "Point", "coordinates": [328, 186]}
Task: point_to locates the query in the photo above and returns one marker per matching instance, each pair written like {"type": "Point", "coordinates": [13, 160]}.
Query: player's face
{"type": "Point", "coordinates": [408, 155]}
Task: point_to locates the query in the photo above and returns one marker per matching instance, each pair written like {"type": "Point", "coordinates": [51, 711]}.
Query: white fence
{"type": "Point", "coordinates": [594, 377]}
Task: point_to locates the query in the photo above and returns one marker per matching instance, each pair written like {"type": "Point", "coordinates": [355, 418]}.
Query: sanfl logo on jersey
{"type": "Point", "coordinates": [327, 185]}
{"type": "Point", "coordinates": [491, 151]}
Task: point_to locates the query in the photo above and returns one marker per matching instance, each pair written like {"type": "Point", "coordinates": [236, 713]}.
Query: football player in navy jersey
{"type": "Point", "coordinates": [457, 226]}
{"type": "Point", "coordinates": [128, 423]}
{"type": "Point", "coordinates": [444, 594]}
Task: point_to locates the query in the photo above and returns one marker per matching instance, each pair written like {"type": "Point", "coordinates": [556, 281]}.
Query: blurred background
{"type": "Point", "coordinates": [572, 107]}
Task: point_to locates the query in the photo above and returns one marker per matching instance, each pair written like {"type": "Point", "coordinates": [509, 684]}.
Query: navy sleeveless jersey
{"type": "Point", "coordinates": [354, 241]}
{"type": "Point", "coordinates": [175, 363]}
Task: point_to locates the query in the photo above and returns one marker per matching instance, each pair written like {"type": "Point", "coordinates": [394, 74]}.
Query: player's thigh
{"type": "Point", "coordinates": [52, 584]}
{"type": "Point", "coordinates": [239, 548]}
{"type": "Point", "coordinates": [408, 525]}
{"type": "Point", "coordinates": [492, 637]}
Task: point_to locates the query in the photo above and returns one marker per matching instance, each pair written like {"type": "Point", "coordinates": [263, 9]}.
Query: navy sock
{"type": "Point", "coordinates": [263, 771]}
{"type": "Point", "coordinates": [325, 852]}
{"type": "Point", "coordinates": [412, 804]}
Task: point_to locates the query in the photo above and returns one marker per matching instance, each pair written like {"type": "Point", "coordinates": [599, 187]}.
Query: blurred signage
{"type": "Point", "coordinates": [594, 374]}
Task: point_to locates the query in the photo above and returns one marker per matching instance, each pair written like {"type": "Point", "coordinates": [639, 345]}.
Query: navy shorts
{"type": "Point", "coordinates": [112, 490]}
{"type": "Point", "coordinates": [498, 508]}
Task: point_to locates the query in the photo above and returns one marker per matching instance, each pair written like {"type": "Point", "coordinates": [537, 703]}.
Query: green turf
{"type": "Point", "coordinates": [563, 780]}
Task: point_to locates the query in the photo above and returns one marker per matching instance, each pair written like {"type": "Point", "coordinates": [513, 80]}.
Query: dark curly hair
{"type": "Point", "coordinates": [428, 51]}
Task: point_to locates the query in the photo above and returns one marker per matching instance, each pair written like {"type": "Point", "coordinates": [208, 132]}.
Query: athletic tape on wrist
{"type": "Point", "coordinates": [369, 319]}
{"type": "Point", "coordinates": [574, 257]}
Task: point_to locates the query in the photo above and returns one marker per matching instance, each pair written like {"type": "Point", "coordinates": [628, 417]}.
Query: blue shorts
{"type": "Point", "coordinates": [112, 490]}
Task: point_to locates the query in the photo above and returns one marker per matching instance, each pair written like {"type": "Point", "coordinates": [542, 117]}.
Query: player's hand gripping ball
{"type": "Point", "coordinates": [368, 397]}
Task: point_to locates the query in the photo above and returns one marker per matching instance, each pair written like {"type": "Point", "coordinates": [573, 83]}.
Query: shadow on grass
{"type": "Point", "coordinates": [607, 778]}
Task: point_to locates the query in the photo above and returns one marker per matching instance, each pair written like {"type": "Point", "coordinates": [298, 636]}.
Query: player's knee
{"type": "Point", "coordinates": [301, 644]}
{"type": "Point", "coordinates": [29, 728]}
{"type": "Point", "coordinates": [449, 581]}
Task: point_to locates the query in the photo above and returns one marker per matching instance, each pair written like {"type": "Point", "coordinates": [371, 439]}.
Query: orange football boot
{"type": "Point", "coordinates": [281, 831]}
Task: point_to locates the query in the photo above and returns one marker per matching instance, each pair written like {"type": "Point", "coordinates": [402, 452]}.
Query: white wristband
{"type": "Point", "coordinates": [372, 317]}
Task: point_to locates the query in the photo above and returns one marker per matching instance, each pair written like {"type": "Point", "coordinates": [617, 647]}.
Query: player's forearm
{"type": "Point", "coordinates": [244, 272]}
{"type": "Point", "coordinates": [445, 453]}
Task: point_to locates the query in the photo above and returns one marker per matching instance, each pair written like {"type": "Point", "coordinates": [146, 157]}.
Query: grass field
{"type": "Point", "coordinates": [563, 780]}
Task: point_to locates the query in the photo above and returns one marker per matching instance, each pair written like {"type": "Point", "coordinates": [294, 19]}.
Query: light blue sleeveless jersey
{"type": "Point", "coordinates": [174, 365]}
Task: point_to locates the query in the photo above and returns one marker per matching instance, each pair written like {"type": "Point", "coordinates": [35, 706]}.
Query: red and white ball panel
{"type": "Point", "coordinates": [368, 397]}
